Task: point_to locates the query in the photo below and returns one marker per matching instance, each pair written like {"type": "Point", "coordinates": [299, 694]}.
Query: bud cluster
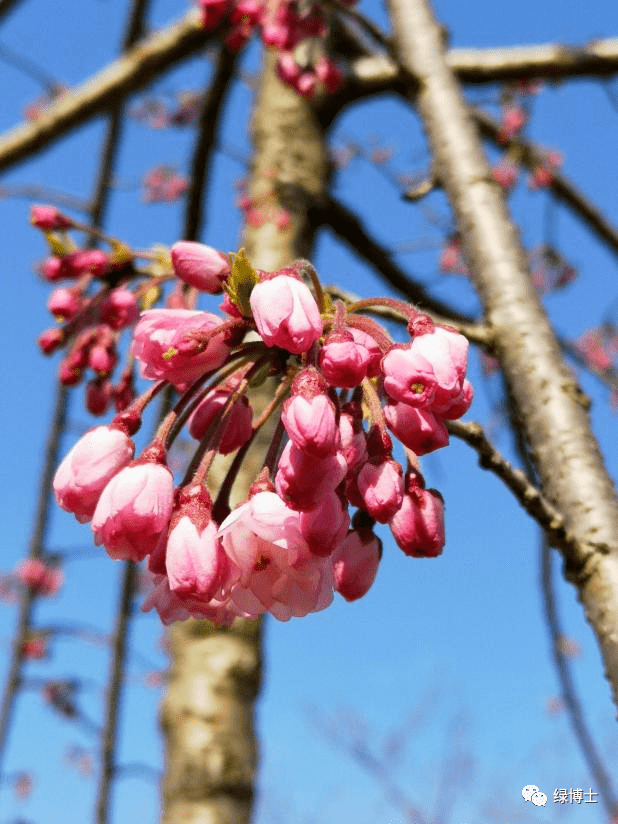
{"type": "Point", "coordinates": [345, 390]}
{"type": "Point", "coordinates": [295, 28]}
{"type": "Point", "coordinates": [93, 304]}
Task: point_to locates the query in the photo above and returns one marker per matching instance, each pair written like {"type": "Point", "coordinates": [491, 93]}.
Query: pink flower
{"type": "Point", "coordinates": [418, 527]}
{"type": "Point", "coordinates": [355, 563]}
{"type": "Point", "coordinates": [302, 481]}
{"type": "Point", "coordinates": [119, 309]}
{"type": "Point", "coordinates": [381, 487]}
{"type": "Point", "coordinates": [89, 466]}
{"type": "Point", "coordinates": [325, 526]}
{"type": "Point", "coordinates": [418, 429]}
{"type": "Point", "coordinates": [64, 303]}
{"type": "Point", "coordinates": [196, 564]}
{"type": "Point", "coordinates": [200, 266]}
{"type": "Point", "coordinates": [309, 416]}
{"type": "Point", "coordinates": [133, 510]}
{"type": "Point", "coordinates": [343, 361]}
{"type": "Point", "coordinates": [429, 372]}
{"type": "Point", "coordinates": [42, 579]}
{"type": "Point", "coordinates": [162, 344]}
{"type": "Point", "coordinates": [49, 218]}
{"type": "Point", "coordinates": [278, 572]}
{"type": "Point", "coordinates": [236, 429]}
{"type": "Point", "coordinates": [286, 313]}
{"type": "Point", "coordinates": [50, 340]}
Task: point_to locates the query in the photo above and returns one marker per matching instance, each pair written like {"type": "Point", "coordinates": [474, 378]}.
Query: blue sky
{"type": "Point", "coordinates": [453, 650]}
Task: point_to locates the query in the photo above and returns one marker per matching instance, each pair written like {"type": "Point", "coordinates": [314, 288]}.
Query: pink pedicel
{"type": "Point", "coordinates": [200, 266]}
{"type": "Point", "coordinates": [160, 337]}
{"type": "Point", "coordinates": [286, 314]}
{"type": "Point", "coordinates": [85, 472]}
{"type": "Point", "coordinates": [133, 510]}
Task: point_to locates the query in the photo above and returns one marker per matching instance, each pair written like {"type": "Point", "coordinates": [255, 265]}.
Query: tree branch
{"type": "Point", "coordinates": [549, 402]}
{"type": "Point", "coordinates": [208, 127]}
{"type": "Point", "coordinates": [581, 206]}
{"type": "Point", "coordinates": [571, 700]}
{"type": "Point", "coordinates": [142, 64]}
{"type": "Point", "coordinates": [333, 214]}
{"type": "Point", "coordinates": [545, 61]}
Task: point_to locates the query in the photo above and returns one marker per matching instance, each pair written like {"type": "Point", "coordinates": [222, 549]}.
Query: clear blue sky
{"type": "Point", "coordinates": [454, 649]}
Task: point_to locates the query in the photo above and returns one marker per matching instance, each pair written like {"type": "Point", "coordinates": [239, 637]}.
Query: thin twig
{"type": "Point", "coordinates": [528, 495]}
{"type": "Point", "coordinates": [571, 700]}
{"type": "Point", "coordinates": [208, 127]}
{"type": "Point", "coordinates": [37, 544]}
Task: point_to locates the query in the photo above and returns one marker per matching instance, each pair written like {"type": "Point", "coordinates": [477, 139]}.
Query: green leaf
{"type": "Point", "coordinates": [240, 283]}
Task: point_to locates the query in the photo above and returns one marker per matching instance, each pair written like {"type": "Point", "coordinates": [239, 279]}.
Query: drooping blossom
{"type": "Point", "coordinates": [200, 265]}
{"type": "Point", "coordinates": [286, 314]}
{"type": "Point", "coordinates": [133, 510]}
{"type": "Point", "coordinates": [355, 563]}
{"type": "Point", "coordinates": [162, 345]}
{"type": "Point", "coordinates": [89, 466]}
{"type": "Point", "coordinates": [279, 573]}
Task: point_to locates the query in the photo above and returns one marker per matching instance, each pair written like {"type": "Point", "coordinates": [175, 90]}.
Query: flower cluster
{"type": "Point", "coordinates": [164, 184]}
{"type": "Point", "coordinates": [345, 390]}
{"type": "Point", "coordinates": [93, 304]}
{"type": "Point", "coordinates": [294, 28]}
{"type": "Point", "coordinates": [42, 578]}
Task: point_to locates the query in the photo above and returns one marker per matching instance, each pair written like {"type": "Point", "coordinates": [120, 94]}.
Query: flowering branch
{"type": "Point", "coordinates": [560, 185]}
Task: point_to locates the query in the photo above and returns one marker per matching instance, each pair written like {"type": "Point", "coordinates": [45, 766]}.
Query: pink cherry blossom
{"type": "Point", "coordinates": [353, 438]}
{"type": "Point", "coordinates": [302, 481]}
{"type": "Point", "coordinates": [89, 466]}
{"type": "Point", "coordinates": [418, 526]}
{"type": "Point", "coordinates": [279, 574]}
{"type": "Point", "coordinates": [429, 372]}
{"type": "Point", "coordinates": [343, 361]}
{"type": "Point", "coordinates": [380, 484]}
{"type": "Point", "coordinates": [161, 343]}
{"type": "Point", "coordinates": [286, 314]}
{"type": "Point", "coordinates": [236, 429]}
{"type": "Point", "coordinates": [355, 563]}
{"type": "Point", "coordinates": [195, 563]}
{"type": "Point", "coordinates": [119, 309]}
{"type": "Point", "coordinates": [418, 429]}
{"type": "Point", "coordinates": [311, 424]}
{"type": "Point", "coordinates": [49, 218]}
{"type": "Point", "coordinates": [133, 510]}
{"type": "Point", "coordinates": [41, 578]}
{"type": "Point", "coordinates": [325, 526]}
{"type": "Point", "coordinates": [200, 265]}
{"type": "Point", "coordinates": [64, 303]}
